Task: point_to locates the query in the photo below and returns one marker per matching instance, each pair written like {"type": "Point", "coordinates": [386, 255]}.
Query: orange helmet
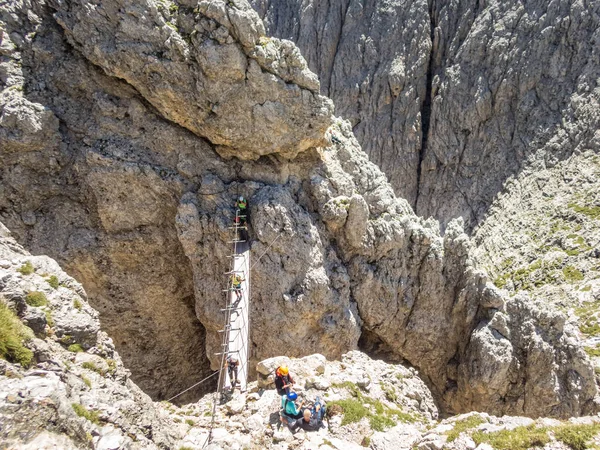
{"type": "Point", "coordinates": [283, 370]}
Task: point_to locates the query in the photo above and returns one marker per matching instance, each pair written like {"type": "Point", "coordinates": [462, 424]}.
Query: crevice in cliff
{"type": "Point", "coordinates": [426, 106]}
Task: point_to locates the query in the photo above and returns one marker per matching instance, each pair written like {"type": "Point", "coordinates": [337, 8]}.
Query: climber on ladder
{"type": "Point", "coordinates": [241, 205]}
{"type": "Point", "coordinates": [236, 285]}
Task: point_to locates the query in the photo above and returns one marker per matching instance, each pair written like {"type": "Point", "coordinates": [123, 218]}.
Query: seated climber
{"type": "Point", "coordinates": [312, 418]}
{"type": "Point", "coordinates": [289, 408]}
{"type": "Point", "coordinates": [236, 285]}
{"type": "Point", "coordinates": [283, 380]}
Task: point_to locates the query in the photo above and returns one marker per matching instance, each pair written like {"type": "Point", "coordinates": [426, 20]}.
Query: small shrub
{"type": "Point", "coordinates": [572, 274]}
{"type": "Point", "coordinates": [87, 381]}
{"type": "Point", "coordinates": [380, 422]}
{"type": "Point", "coordinates": [49, 319]}
{"type": "Point", "coordinates": [190, 422]}
{"type": "Point", "coordinates": [36, 299]}
{"type": "Point", "coordinates": [13, 335]}
{"type": "Point", "coordinates": [112, 366]}
{"type": "Point", "coordinates": [353, 410]}
{"type": "Point", "coordinates": [593, 351]}
{"type": "Point", "coordinates": [93, 367]}
{"type": "Point", "coordinates": [520, 438]}
{"type": "Point", "coordinates": [75, 348]}
{"type": "Point", "coordinates": [26, 268]}
{"type": "Point", "coordinates": [577, 436]}
{"type": "Point", "coordinates": [81, 411]}
{"type": "Point", "coordinates": [463, 425]}
{"type": "Point", "coordinates": [53, 281]}
{"type": "Point", "coordinates": [77, 305]}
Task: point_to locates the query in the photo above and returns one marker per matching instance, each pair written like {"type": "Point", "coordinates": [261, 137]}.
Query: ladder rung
{"type": "Point", "coordinates": [239, 255]}
{"type": "Point", "coordinates": [234, 271]}
{"type": "Point", "coordinates": [233, 242]}
{"type": "Point", "coordinates": [231, 309]}
{"type": "Point", "coordinates": [226, 353]}
{"type": "Point", "coordinates": [231, 329]}
{"type": "Point", "coordinates": [238, 227]}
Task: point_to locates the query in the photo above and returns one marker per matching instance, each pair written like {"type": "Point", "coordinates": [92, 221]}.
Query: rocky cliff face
{"type": "Point", "coordinates": [451, 100]}
{"type": "Point", "coordinates": [115, 162]}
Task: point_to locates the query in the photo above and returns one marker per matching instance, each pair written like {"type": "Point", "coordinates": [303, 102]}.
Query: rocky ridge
{"type": "Point", "coordinates": [135, 197]}
{"type": "Point", "coordinates": [452, 100]}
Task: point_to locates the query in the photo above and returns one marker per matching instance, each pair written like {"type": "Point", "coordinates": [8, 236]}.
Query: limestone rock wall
{"type": "Point", "coordinates": [452, 99]}
{"type": "Point", "coordinates": [124, 178]}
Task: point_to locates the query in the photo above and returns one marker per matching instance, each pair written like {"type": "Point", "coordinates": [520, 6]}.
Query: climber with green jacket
{"type": "Point", "coordinates": [241, 206]}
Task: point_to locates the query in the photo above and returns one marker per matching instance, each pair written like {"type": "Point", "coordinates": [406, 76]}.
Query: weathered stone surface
{"type": "Point", "coordinates": [211, 77]}
{"type": "Point", "coordinates": [451, 100]}
{"type": "Point", "coordinates": [138, 207]}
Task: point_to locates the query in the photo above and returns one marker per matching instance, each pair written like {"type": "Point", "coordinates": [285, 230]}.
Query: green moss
{"type": "Point", "coordinates": [172, 26]}
{"type": "Point", "coordinates": [587, 288]}
{"type": "Point", "coordinates": [572, 274]}
{"type": "Point", "coordinates": [49, 319]}
{"type": "Point", "coordinates": [36, 298]}
{"type": "Point", "coordinates": [93, 367]}
{"type": "Point", "coordinates": [520, 438]}
{"type": "Point", "coordinates": [190, 422]}
{"type": "Point", "coordinates": [87, 381]}
{"type": "Point", "coordinates": [53, 281]}
{"type": "Point", "coordinates": [593, 351]}
{"type": "Point", "coordinates": [328, 442]}
{"type": "Point", "coordinates": [380, 416]}
{"type": "Point", "coordinates": [13, 336]}
{"type": "Point", "coordinates": [81, 411]}
{"type": "Point", "coordinates": [26, 268]}
{"type": "Point", "coordinates": [463, 425]}
{"type": "Point", "coordinates": [593, 212]}
{"type": "Point", "coordinates": [77, 305]}
{"type": "Point", "coordinates": [577, 437]}
{"type": "Point", "coordinates": [185, 448]}
{"type": "Point", "coordinates": [75, 348]}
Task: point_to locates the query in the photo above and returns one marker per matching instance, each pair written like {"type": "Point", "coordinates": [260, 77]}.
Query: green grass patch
{"type": "Point", "coordinates": [75, 348]}
{"type": "Point", "coordinates": [190, 422]}
{"type": "Point", "coordinates": [77, 305]}
{"type": "Point", "coordinates": [36, 298]}
{"type": "Point", "coordinates": [26, 268]}
{"type": "Point", "coordinates": [577, 437]}
{"type": "Point", "coordinates": [572, 274]}
{"type": "Point", "coordinates": [112, 366]}
{"type": "Point", "coordinates": [593, 212]}
{"type": "Point", "coordinates": [93, 367]}
{"type": "Point", "coordinates": [53, 281]}
{"type": "Point", "coordinates": [87, 381]}
{"type": "Point", "coordinates": [593, 351]}
{"type": "Point", "coordinates": [13, 336]}
{"type": "Point", "coordinates": [81, 411]}
{"type": "Point", "coordinates": [587, 288]}
{"type": "Point", "coordinates": [520, 438]}
{"type": "Point", "coordinates": [463, 425]}
{"type": "Point", "coordinates": [49, 319]}
{"type": "Point", "coordinates": [380, 416]}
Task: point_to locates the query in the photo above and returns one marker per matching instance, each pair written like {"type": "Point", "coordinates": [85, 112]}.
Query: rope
{"type": "Point", "coordinates": [263, 254]}
{"type": "Point", "coordinates": [192, 387]}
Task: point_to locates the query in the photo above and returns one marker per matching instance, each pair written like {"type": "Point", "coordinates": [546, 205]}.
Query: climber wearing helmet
{"type": "Point", "coordinates": [289, 407]}
{"type": "Point", "coordinates": [236, 285]}
{"type": "Point", "coordinates": [283, 380]}
{"type": "Point", "coordinates": [232, 364]}
{"type": "Point", "coordinates": [241, 205]}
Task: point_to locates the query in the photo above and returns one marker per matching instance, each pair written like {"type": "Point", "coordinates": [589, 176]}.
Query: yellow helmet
{"type": "Point", "coordinates": [283, 370]}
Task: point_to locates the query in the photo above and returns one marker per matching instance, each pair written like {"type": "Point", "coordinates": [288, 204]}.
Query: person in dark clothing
{"type": "Point", "coordinates": [312, 418]}
{"type": "Point", "coordinates": [232, 364]}
{"type": "Point", "coordinates": [283, 380]}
